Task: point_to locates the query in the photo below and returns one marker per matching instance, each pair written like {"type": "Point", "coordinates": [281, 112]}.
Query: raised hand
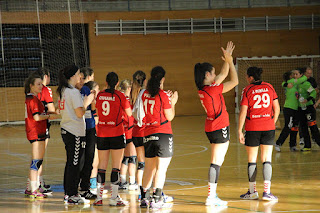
{"type": "Point", "coordinates": [227, 53]}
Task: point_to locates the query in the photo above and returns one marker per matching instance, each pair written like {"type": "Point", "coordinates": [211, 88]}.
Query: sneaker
{"type": "Point", "coordinates": [97, 202]}
{"type": "Point", "coordinates": [88, 195]}
{"type": "Point", "coordinates": [144, 203]}
{"type": "Point", "coordinates": [160, 204]}
{"type": "Point", "coordinates": [118, 202]}
{"type": "Point", "coordinates": [123, 186]}
{"type": "Point", "coordinates": [139, 198]}
{"type": "Point", "coordinates": [44, 190]}
{"type": "Point", "coordinates": [37, 194]}
{"type": "Point", "coordinates": [269, 197]}
{"type": "Point", "coordinates": [293, 149]}
{"type": "Point", "coordinates": [65, 199]}
{"type": "Point", "coordinates": [301, 141]}
{"type": "Point", "coordinates": [133, 187]}
{"type": "Point", "coordinates": [27, 193]}
{"type": "Point", "coordinates": [277, 148]}
{"type": "Point", "coordinates": [250, 196]}
{"type": "Point", "coordinates": [215, 201]}
{"type": "Point", "coordinates": [167, 198]}
{"type": "Point", "coordinates": [77, 199]}
{"type": "Point", "coordinates": [305, 149]}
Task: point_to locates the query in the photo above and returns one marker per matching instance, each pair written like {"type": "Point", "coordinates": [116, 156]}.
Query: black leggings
{"type": "Point", "coordinates": [291, 123]}
{"type": "Point", "coordinates": [308, 118]}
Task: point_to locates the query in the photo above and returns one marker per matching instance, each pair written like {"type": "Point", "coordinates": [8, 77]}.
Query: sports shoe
{"type": "Point", "coordinates": [277, 148]}
{"type": "Point", "coordinates": [167, 198]}
{"type": "Point", "coordinates": [123, 186]}
{"type": "Point", "coordinates": [133, 187]}
{"type": "Point", "coordinates": [269, 197]}
{"type": "Point", "coordinates": [301, 141]}
{"type": "Point", "coordinates": [37, 194]}
{"type": "Point", "coordinates": [293, 149]}
{"type": "Point", "coordinates": [77, 199]}
{"type": "Point", "coordinates": [88, 195]}
{"type": "Point", "coordinates": [97, 202]}
{"type": "Point", "coordinates": [215, 201]}
{"type": "Point", "coordinates": [305, 149]}
{"type": "Point", "coordinates": [27, 193]}
{"type": "Point", "coordinates": [250, 196]}
{"type": "Point", "coordinates": [65, 199]}
{"type": "Point", "coordinates": [144, 203]}
{"type": "Point", "coordinates": [118, 202]}
{"type": "Point", "coordinates": [139, 198]}
{"type": "Point", "coordinates": [44, 190]}
{"type": "Point", "coordinates": [160, 204]}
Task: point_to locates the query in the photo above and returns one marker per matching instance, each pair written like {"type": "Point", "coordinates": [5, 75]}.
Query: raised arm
{"type": "Point", "coordinates": [234, 81]}
{"type": "Point", "coordinates": [225, 68]}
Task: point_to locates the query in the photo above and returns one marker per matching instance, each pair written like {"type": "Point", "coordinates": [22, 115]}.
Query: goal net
{"type": "Point", "coordinates": [273, 69]}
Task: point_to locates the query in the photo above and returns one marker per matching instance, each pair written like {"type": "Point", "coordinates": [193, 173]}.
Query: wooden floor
{"type": "Point", "coordinates": [296, 175]}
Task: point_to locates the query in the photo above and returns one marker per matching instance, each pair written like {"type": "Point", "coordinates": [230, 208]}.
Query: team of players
{"type": "Point", "coordinates": [149, 135]}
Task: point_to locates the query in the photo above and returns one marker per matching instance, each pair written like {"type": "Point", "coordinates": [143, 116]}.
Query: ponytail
{"type": "Point", "coordinates": [200, 71]}
{"type": "Point", "coordinates": [153, 86]}
{"type": "Point", "coordinates": [138, 78]}
{"type": "Point", "coordinates": [64, 75]}
{"type": "Point", "coordinates": [112, 80]}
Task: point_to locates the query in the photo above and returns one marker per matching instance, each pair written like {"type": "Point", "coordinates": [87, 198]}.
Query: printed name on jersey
{"type": "Point", "coordinates": [107, 98]}
{"type": "Point", "coordinates": [260, 90]}
{"type": "Point", "coordinates": [146, 95]}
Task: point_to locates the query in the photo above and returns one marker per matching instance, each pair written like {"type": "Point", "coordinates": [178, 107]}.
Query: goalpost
{"type": "Point", "coordinates": [273, 69]}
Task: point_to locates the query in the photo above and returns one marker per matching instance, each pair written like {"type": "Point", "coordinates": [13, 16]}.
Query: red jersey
{"type": "Point", "coordinates": [259, 98]}
{"type": "Point", "coordinates": [110, 108]}
{"type": "Point", "coordinates": [45, 96]}
{"type": "Point", "coordinates": [213, 103]}
{"type": "Point", "coordinates": [127, 123]}
{"type": "Point", "coordinates": [36, 130]}
{"type": "Point", "coordinates": [154, 107]}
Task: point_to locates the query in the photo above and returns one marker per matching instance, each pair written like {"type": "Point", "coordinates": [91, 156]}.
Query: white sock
{"type": "Point", "coordinates": [267, 185]}
{"type": "Point", "coordinates": [100, 188]}
{"type": "Point", "coordinates": [252, 187]}
{"type": "Point", "coordinates": [212, 190]}
{"type": "Point", "coordinates": [114, 191]}
{"type": "Point", "coordinates": [34, 186]}
{"type": "Point", "coordinates": [28, 185]}
{"type": "Point", "coordinates": [38, 181]}
{"type": "Point", "coordinates": [123, 178]}
{"type": "Point", "coordinates": [132, 179]}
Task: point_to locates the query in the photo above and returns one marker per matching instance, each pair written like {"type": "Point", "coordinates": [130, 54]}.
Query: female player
{"type": "Point", "coordinates": [73, 130]}
{"type": "Point", "coordinates": [36, 126]}
{"type": "Point", "coordinates": [130, 154]}
{"type": "Point", "coordinates": [210, 92]}
{"type": "Point", "coordinates": [290, 109]}
{"type": "Point", "coordinates": [259, 112]}
{"type": "Point", "coordinates": [158, 142]}
{"type": "Point", "coordinates": [110, 105]}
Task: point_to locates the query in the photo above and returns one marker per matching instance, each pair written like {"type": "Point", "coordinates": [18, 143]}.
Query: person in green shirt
{"type": "Point", "coordinates": [290, 110]}
{"type": "Point", "coordinates": [307, 113]}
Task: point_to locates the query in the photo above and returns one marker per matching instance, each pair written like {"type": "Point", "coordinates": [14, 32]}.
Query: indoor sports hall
{"type": "Point", "coordinates": [124, 36]}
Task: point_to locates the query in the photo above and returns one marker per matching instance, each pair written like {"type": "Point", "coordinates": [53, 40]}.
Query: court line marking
{"type": "Point", "coordinates": [192, 153]}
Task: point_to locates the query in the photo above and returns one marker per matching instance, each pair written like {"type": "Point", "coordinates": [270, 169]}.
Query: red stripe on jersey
{"type": "Point", "coordinates": [155, 119]}
{"type": "Point", "coordinates": [259, 98]}
{"type": "Point", "coordinates": [110, 108]}
{"type": "Point", "coordinates": [36, 130]}
{"type": "Point", "coordinates": [213, 103]}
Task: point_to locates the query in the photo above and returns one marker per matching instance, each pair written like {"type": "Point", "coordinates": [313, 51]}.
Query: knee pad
{"type": "Point", "coordinates": [35, 164]}
{"type": "Point", "coordinates": [312, 123]}
{"type": "Point", "coordinates": [115, 176]}
{"type": "Point", "coordinates": [132, 159]}
{"type": "Point", "coordinates": [267, 171]}
{"type": "Point", "coordinates": [140, 165]}
{"type": "Point", "coordinates": [101, 176]}
{"type": "Point", "coordinates": [125, 160]}
{"type": "Point", "coordinates": [214, 172]}
{"type": "Point", "coordinates": [295, 129]}
{"type": "Point", "coordinates": [252, 172]}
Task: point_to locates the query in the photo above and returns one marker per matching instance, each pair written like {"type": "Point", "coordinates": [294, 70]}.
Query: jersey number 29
{"type": "Point", "coordinates": [265, 98]}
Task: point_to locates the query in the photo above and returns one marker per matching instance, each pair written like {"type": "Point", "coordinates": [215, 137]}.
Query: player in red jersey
{"type": "Point", "coordinates": [210, 92]}
{"type": "Point", "coordinates": [36, 125]}
{"type": "Point", "coordinates": [130, 154]}
{"type": "Point", "coordinates": [45, 96]}
{"type": "Point", "coordinates": [110, 105]}
{"type": "Point", "coordinates": [138, 85]}
{"type": "Point", "coordinates": [259, 112]}
{"type": "Point", "coordinates": [159, 109]}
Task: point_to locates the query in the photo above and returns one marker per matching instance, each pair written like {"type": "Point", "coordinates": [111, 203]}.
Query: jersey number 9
{"type": "Point", "coordinates": [105, 108]}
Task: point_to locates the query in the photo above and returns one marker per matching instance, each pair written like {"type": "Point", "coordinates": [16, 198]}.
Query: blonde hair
{"type": "Point", "coordinates": [138, 78]}
{"type": "Point", "coordinates": [124, 85]}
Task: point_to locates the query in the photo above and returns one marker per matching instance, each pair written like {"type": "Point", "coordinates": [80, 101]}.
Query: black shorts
{"type": "Point", "coordinates": [255, 138]}
{"type": "Point", "coordinates": [219, 136]}
{"type": "Point", "coordinates": [158, 145]}
{"type": "Point", "coordinates": [128, 141]}
{"type": "Point", "coordinates": [137, 141]}
{"type": "Point", "coordinates": [107, 143]}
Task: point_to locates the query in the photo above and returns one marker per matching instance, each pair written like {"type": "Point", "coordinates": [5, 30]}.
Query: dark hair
{"type": "Point", "coordinates": [112, 80]}
{"type": "Point", "coordinates": [86, 71]}
{"type": "Point", "coordinates": [255, 72]}
{"type": "Point", "coordinates": [138, 78]}
{"type": "Point", "coordinates": [153, 86]}
{"type": "Point", "coordinates": [42, 71]}
{"type": "Point", "coordinates": [91, 84]}
{"type": "Point", "coordinates": [64, 75]}
{"type": "Point", "coordinates": [200, 71]}
{"type": "Point", "coordinates": [302, 70]}
{"type": "Point", "coordinates": [286, 75]}
{"type": "Point", "coordinates": [30, 80]}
